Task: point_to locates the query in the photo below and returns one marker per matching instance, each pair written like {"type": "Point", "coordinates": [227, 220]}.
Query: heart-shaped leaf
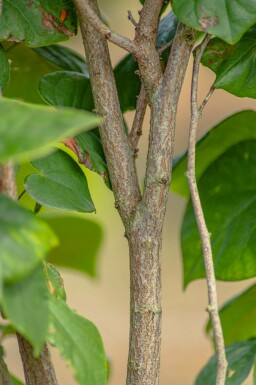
{"type": "Point", "coordinates": [71, 252]}
{"type": "Point", "coordinates": [28, 130]}
{"type": "Point", "coordinates": [79, 343]}
{"type": "Point", "coordinates": [233, 65]}
{"type": "Point", "coordinates": [238, 317]}
{"type": "Point", "coordinates": [25, 240]}
{"type": "Point", "coordinates": [25, 304]}
{"type": "Point", "coordinates": [236, 128]}
{"type": "Point", "coordinates": [228, 195]}
{"type": "Point", "coordinates": [36, 23]}
{"type": "Point", "coordinates": [226, 19]}
{"type": "Point", "coordinates": [5, 69]}
{"type": "Point", "coordinates": [240, 357]}
{"type": "Point", "coordinates": [60, 184]}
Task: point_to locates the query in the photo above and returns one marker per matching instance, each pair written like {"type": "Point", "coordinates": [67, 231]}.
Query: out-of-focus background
{"type": "Point", "coordinates": [105, 300]}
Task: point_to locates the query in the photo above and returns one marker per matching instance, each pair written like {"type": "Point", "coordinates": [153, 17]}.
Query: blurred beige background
{"type": "Point", "coordinates": [105, 301]}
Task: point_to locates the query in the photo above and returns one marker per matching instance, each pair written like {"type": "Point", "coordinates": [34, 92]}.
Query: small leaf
{"type": "Point", "coordinates": [233, 65]}
{"type": "Point", "coordinates": [238, 317]}
{"type": "Point", "coordinates": [72, 253]}
{"type": "Point", "coordinates": [25, 240]}
{"type": "Point", "coordinates": [61, 184]}
{"type": "Point", "coordinates": [25, 304]}
{"type": "Point", "coordinates": [5, 69]}
{"type": "Point", "coordinates": [221, 18]}
{"type": "Point", "coordinates": [64, 57]}
{"type": "Point", "coordinates": [228, 195]}
{"type": "Point", "coordinates": [16, 381]}
{"type": "Point", "coordinates": [36, 127]}
{"type": "Point", "coordinates": [55, 281]}
{"type": "Point", "coordinates": [67, 89]}
{"type": "Point", "coordinates": [240, 357]}
{"type": "Point", "coordinates": [79, 343]}
{"type": "Point", "coordinates": [235, 129]}
{"type": "Point", "coordinates": [36, 23]}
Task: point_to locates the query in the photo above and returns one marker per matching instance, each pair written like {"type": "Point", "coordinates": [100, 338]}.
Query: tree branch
{"type": "Point", "coordinates": [87, 12]}
{"type": "Point", "coordinates": [202, 227]}
{"type": "Point", "coordinates": [136, 130]}
{"type": "Point", "coordinates": [118, 152]}
{"type": "Point", "coordinates": [38, 371]}
{"type": "Point", "coordinates": [5, 378]}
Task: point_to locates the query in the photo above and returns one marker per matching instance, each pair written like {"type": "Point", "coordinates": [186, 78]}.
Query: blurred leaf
{"type": "Point", "coordinates": [240, 356]}
{"type": "Point", "coordinates": [79, 343]}
{"type": "Point", "coordinates": [5, 69]}
{"type": "Point", "coordinates": [228, 195]}
{"type": "Point", "coordinates": [16, 381]}
{"type": "Point", "coordinates": [126, 75]}
{"type": "Point", "coordinates": [67, 89]}
{"type": "Point", "coordinates": [220, 18]}
{"type": "Point", "coordinates": [6, 330]}
{"type": "Point", "coordinates": [236, 128]}
{"type": "Point", "coordinates": [60, 184]}
{"type": "Point", "coordinates": [233, 64]}
{"type": "Point", "coordinates": [55, 281]}
{"type": "Point", "coordinates": [25, 304]}
{"type": "Point", "coordinates": [80, 240]}
{"type": "Point", "coordinates": [64, 57]}
{"type": "Point", "coordinates": [37, 24]}
{"type": "Point", "coordinates": [238, 317]}
{"type": "Point", "coordinates": [35, 127]}
{"type": "Point", "coordinates": [25, 240]}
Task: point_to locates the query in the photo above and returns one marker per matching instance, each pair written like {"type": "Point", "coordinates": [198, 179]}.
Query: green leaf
{"type": "Point", "coordinates": [5, 69]}
{"type": "Point", "coordinates": [25, 240]}
{"type": "Point", "coordinates": [72, 252]}
{"type": "Point", "coordinates": [233, 65]}
{"type": "Point", "coordinates": [226, 19]}
{"type": "Point", "coordinates": [238, 317]}
{"type": "Point", "coordinates": [55, 281]}
{"type": "Point", "coordinates": [60, 184]}
{"type": "Point", "coordinates": [25, 304]}
{"type": "Point", "coordinates": [37, 24]}
{"type": "Point", "coordinates": [235, 129]}
{"type": "Point", "coordinates": [34, 127]}
{"type": "Point", "coordinates": [16, 381]}
{"type": "Point", "coordinates": [79, 343]}
{"type": "Point", "coordinates": [240, 357]}
{"type": "Point", "coordinates": [64, 57]}
{"type": "Point", "coordinates": [126, 75]}
{"type": "Point", "coordinates": [228, 195]}
{"type": "Point", "coordinates": [67, 89]}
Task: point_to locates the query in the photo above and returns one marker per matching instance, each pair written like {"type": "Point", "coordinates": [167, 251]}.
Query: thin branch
{"type": "Point", "coordinates": [38, 371]}
{"type": "Point", "coordinates": [164, 47]}
{"type": "Point", "coordinates": [205, 101]}
{"type": "Point", "coordinates": [202, 226]}
{"type": "Point", "coordinates": [115, 143]}
{"type": "Point", "coordinates": [87, 12]}
{"type": "Point", "coordinates": [131, 18]}
{"type": "Point", "coordinates": [136, 130]}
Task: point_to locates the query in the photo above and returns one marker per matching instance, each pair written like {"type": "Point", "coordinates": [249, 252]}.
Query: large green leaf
{"type": "Point", "coordinates": [37, 23]}
{"type": "Point", "coordinates": [60, 184]}
{"type": "Point", "coordinates": [28, 129]}
{"type": "Point", "coordinates": [227, 19]}
{"type": "Point", "coordinates": [238, 317]}
{"type": "Point", "coordinates": [5, 69]}
{"type": "Point", "coordinates": [79, 343]}
{"type": "Point", "coordinates": [240, 357]}
{"type": "Point", "coordinates": [25, 240]}
{"type": "Point", "coordinates": [233, 65]}
{"type": "Point", "coordinates": [228, 195]}
{"type": "Point", "coordinates": [126, 75]}
{"type": "Point", "coordinates": [64, 57]}
{"type": "Point", "coordinates": [80, 240]}
{"type": "Point", "coordinates": [25, 304]}
{"type": "Point", "coordinates": [236, 128]}
{"type": "Point", "coordinates": [67, 89]}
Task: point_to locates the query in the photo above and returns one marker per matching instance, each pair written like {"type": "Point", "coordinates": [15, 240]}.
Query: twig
{"type": "Point", "coordinates": [199, 214]}
{"type": "Point", "coordinates": [131, 18]}
{"type": "Point", "coordinates": [38, 371]}
{"type": "Point", "coordinates": [87, 12]}
{"type": "Point", "coordinates": [164, 47]}
{"type": "Point", "coordinates": [136, 130]}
